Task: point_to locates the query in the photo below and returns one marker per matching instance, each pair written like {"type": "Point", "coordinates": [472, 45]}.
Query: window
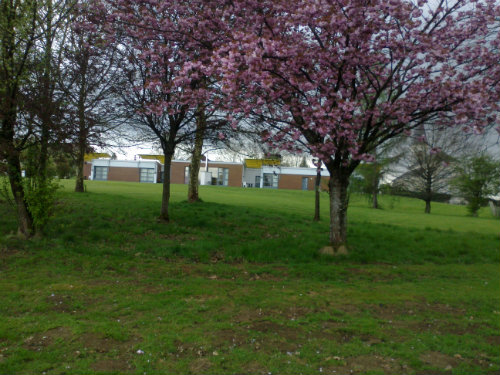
{"type": "Point", "coordinates": [147, 175]}
{"type": "Point", "coordinates": [257, 181]}
{"type": "Point", "coordinates": [101, 173]}
{"type": "Point", "coordinates": [271, 180]}
{"type": "Point", "coordinates": [220, 176]}
{"type": "Point", "coordinates": [186, 175]}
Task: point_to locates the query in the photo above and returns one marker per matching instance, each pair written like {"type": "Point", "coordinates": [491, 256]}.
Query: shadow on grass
{"type": "Point", "coordinates": [105, 225]}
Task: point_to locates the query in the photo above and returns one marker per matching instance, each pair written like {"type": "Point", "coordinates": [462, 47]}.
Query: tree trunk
{"type": "Point", "coordinates": [194, 168]}
{"type": "Point", "coordinates": [375, 197]}
{"type": "Point", "coordinates": [428, 196]}
{"type": "Point", "coordinates": [166, 187]}
{"type": "Point", "coordinates": [316, 194]}
{"type": "Point", "coordinates": [24, 217]}
{"type": "Point", "coordinates": [427, 206]}
{"type": "Point", "coordinates": [82, 131]}
{"type": "Point", "coordinates": [47, 102]}
{"type": "Point", "coordinates": [80, 162]}
{"type": "Point", "coordinates": [13, 67]}
{"type": "Point", "coordinates": [338, 184]}
{"type": "Point", "coordinates": [43, 156]}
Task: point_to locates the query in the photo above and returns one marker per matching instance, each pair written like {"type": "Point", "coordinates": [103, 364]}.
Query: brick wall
{"type": "Point", "coordinates": [87, 167]}
{"type": "Point", "coordinates": [123, 174]}
{"type": "Point", "coordinates": [288, 181]}
{"type": "Point", "coordinates": [177, 172]}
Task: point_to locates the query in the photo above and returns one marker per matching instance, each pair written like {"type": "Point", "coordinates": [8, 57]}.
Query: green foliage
{"type": "Point", "coordinates": [64, 165]}
{"type": "Point", "coordinates": [39, 188]}
{"type": "Point", "coordinates": [477, 178]}
{"type": "Point", "coordinates": [40, 197]}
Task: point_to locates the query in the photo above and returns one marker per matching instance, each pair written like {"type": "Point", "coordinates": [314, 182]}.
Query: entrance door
{"type": "Point", "coordinates": [304, 183]}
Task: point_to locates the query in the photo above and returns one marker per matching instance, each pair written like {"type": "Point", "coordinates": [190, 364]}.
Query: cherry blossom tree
{"type": "Point", "coordinates": [343, 77]}
{"type": "Point", "coordinates": [166, 49]}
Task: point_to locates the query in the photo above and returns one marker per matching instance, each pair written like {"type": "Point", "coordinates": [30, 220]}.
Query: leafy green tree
{"type": "Point", "coordinates": [369, 175]}
{"type": "Point", "coordinates": [18, 34]}
{"type": "Point", "coordinates": [477, 178]}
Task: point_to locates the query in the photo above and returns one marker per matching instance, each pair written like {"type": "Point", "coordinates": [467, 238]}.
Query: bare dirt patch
{"type": "Point", "coordinates": [229, 337]}
{"type": "Point", "coordinates": [200, 365]}
{"type": "Point", "coordinates": [153, 289]}
{"type": "Point", "coordinates": [60, 303]}
{"type": "Point", "coordinates": [100, 344]}
{"type": "Point", "coordinates": [116, 366]}
{"type": "Point", "coordinates": [288, 333]}
{"type": "Point", "coordinates": [391, 312]}
{"type": "Point", "coordinates": [439, 360]}
{"type": "Point", "coordinates": [251, 314]}
{"type": "Point", "coordinates": [254, 368]}
{"type": "Point", "coordinates": [187, 349]}
{"type": "Point", "coordinates": [444, 328]}
{"type": "Point", "coordinates": [349, 309]}
{"type": "Point", "coordinates": [493, 340]}
{"type": "Point", "coordinates": [248, 315]}
{"type": "Point", "coordinates": [367, 363]}
{"type": "Point", "coordinates": [39, 341]}
{"type": "Point", "coordinates": [342, 335]}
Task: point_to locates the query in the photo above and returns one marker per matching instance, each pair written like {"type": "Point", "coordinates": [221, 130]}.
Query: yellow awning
{"type": "Point", "coordinates": [258, 163]}
{"type": "Point", "coordinates": [160, 158]}
{"type": "Point", "coordinates": [96, 155]}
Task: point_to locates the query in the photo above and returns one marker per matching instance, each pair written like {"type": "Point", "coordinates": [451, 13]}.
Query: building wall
{"type": "Point", "coordinates": [250, 174]}
{"type": "Point", "coordinates": [235, 177]}
{"type": "Point", "coordinates": [235, 173]}
{"type": "Point", "coordinates": [288, 181]}
{"type": "Point", "coordinates": [123, 174]}
{"type": "Point", "coordinates": [177, 172]}
{"type": "Point", "coordinates": [290, 178]}
{"type": "Point", "coordinates": [122, 170]}
{"type": "Point", "coordinates": [87, 167]}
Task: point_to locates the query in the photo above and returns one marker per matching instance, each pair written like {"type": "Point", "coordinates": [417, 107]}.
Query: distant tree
{"type": "Point", "coordinates": [293, 159]}
{"type": "Point", "coordinates": [64, 164]}
{"type": "Point", "coordinates": [428, 160]}
{"type": "Point", "coordinates": [90, 82]}
{"type": "Point", "coordinates": [371, 174]}
{"type": "Point", "coordinates": [477, 178]}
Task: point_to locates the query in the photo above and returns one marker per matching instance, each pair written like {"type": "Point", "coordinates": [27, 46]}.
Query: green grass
{"type": "Point", "coordinates": [235, 284]}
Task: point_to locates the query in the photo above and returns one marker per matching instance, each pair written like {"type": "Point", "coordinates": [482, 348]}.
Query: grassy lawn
{"type": "Point", "coordinates": [235, 284]}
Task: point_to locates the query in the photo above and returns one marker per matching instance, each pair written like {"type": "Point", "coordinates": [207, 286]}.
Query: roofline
{"type": "Point", "coordinates": [209, 162]}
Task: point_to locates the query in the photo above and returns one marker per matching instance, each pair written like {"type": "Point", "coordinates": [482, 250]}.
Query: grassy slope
{"type": "Point", "coordinates": [236, 285]}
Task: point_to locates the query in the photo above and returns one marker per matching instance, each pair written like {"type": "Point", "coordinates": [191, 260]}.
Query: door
{"type": "Point", "coordinates": [304, 183]}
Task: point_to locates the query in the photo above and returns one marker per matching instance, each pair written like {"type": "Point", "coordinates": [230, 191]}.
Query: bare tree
{"type": "Point", "coordinates": [427, 160]}
{"type": "Point", "coordinates": [90, 82]}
